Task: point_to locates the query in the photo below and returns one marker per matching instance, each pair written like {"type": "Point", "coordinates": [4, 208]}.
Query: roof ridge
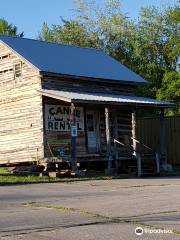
{"type": "Point", "coordinates": [48, 42]}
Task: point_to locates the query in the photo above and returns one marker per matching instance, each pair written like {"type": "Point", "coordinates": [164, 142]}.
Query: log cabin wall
{"type": "Point", "coordinates": [21, 121]}
{"type": "Point", "coordinates": [68, 84]}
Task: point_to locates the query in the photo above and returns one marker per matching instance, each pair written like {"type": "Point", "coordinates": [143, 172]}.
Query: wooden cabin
{"type": "Point", "coordinates": [66, 103]}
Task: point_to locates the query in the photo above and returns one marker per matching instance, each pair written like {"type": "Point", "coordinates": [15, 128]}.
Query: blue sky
{"type": "Point", "coordinates": [28, 15]}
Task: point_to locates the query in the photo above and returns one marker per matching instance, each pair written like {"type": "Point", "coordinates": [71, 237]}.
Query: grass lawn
{"type": "Point", "coordinates": [11, 178]}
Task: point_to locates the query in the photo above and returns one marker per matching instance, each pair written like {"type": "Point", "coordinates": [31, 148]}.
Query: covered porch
{"type": "Point", "coordinates": [99, 128]}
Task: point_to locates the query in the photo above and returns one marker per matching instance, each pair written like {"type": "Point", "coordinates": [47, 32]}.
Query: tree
{"type": "Point", "coordinates": [46, 33]}
{"type": "Point", "coordinates": [113, 29]}
{"type": "Point", "coordinates": [170, 90]}
{"type": "Point", "coordinates": [150, 46]}
{"type": "Point", "coordinates": [9, 29]}
{"type": "Point", "coordinates": [103, 27]}
{"type": "Point", "coordinates": [156, 46]}
{"type": "Point", "coordinates": [69, 32]}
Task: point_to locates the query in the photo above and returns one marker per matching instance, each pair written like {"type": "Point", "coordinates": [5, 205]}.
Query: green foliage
{"type": "Point", "coordinates": [149, 46]}
{"type": "Point", "coordinates": [8, 29]}
{"type": "Point", "coordinates": [71, 32]}
{"type": "Point", "coordinates": [171, 87]}
{"type": "Point", "coordinates": [156, 44]}
{"type": "Point", "coordinates": [170, 90]}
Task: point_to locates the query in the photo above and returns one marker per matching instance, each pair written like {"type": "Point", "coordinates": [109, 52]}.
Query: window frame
{"type": "Point", "coordinates": [17, 71]}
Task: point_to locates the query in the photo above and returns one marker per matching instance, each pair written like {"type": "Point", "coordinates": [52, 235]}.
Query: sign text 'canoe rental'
{"type": "Point", "coordinates": [57, 118]}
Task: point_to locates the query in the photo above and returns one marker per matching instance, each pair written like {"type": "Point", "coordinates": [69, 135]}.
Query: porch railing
{"type": "Point", "coordinates": [139, 153]}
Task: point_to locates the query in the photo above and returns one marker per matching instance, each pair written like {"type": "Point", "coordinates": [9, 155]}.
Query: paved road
{"type": "Point", "coordinates": [91, 210]}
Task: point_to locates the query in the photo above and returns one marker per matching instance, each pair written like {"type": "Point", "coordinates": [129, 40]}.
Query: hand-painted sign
{"type": "Point", "coordinates": [57, 118]}
{"type": "Point", "coordinates": [60, 151]}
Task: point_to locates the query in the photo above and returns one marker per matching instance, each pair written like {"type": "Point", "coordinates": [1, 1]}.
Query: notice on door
{"type": "Point", "coordinates": [57, 118]}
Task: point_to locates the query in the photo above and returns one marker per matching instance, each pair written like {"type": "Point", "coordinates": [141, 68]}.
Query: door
{"type": "Point", "coordinates": [91, 131]}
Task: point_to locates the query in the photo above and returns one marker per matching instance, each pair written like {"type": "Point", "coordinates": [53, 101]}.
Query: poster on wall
{"type": "Point", "coordinates": [59, 147]}
{"type": "Point", "coordinates": [57, 118]}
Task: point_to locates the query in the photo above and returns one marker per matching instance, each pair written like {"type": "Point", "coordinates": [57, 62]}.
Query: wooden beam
{"type": "Point", "coordinates": [163, 142]}
{"type": "Point", "coordinates": [135, 144]}
{"type": "Point", "coordinates": [73, 139]}
{"type": "Point", "coordinates": [134, 131]}
{"type": "Point", "coordinates": [85, 129]}
{"type": "Point", "coordinates": [115, 129]}
{"type": "Point", "coordinates": [139, 170]}
{"type": "Point", "coordinates": [157, 163]}
{"type": "Point", "coordinates": [108, 140]}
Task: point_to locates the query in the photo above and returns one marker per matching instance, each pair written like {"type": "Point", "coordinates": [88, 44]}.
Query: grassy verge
{"type": "Point", "coordinates": [11, 178]}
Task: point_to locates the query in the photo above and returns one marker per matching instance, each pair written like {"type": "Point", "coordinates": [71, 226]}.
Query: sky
{"type": "Point", "coordinates": [29, 15]}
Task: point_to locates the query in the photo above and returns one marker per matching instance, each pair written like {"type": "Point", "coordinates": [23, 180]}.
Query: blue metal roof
{"type": "Point", "coordinates": [71, 60]}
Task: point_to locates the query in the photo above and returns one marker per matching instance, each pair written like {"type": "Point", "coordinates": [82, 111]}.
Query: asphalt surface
{"type": "Point", "coordinates": [91, 210]}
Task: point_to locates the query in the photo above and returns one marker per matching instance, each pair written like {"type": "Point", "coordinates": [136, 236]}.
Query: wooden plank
{"type": "Point", "coordinates": [73, 139]}
{"type": "Point", "coordinates": [137, 153]}
{"type": "Point", "coordinates": [108, 142]}
{"type": "Point", "coordinates": [134, 132]}
{"type": "Point", "coordinates": [163, 143]}
{"type": "Point", "coordinates": [148, 133]}
{"type": "Point", "coordinates": [85, 130]}
{"type": "Point", "coordinates": [61, 83]}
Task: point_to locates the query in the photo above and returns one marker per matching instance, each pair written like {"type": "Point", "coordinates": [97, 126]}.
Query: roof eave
{"type": "Point", "coordinates": [82, 101]}
{"type": "Point", "coordinates": [149, 105]}
{"type": "Point", "coordinates": [126, 82]}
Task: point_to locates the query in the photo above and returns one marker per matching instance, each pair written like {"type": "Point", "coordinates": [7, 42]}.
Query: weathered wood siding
{"type": "Point", "coordinates": [59, 83]}
{"type": "Point", "coordinates": [21, 121]}
{"type": "Point", "coordinates": [148, 130]}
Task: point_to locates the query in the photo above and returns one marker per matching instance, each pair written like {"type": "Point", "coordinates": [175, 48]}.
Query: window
{"type": "Point", "coordinates": [17, 70]}
{"type": "Point", "coordinates": [2, 57]}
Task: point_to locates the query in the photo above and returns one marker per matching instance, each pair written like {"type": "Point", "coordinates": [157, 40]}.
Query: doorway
{"type": "Point", "coordinates": [91, 131]}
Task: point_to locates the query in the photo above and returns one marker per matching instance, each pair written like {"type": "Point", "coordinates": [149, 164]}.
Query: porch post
{"type": "Point", "coordinates": [73, 138]}
{"type": "Point", "coordinates": [163, 143]}
{"type": "Point", "coordinates": [134, 140]}
{"type": "Point", "coordinates": [108, 140]}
